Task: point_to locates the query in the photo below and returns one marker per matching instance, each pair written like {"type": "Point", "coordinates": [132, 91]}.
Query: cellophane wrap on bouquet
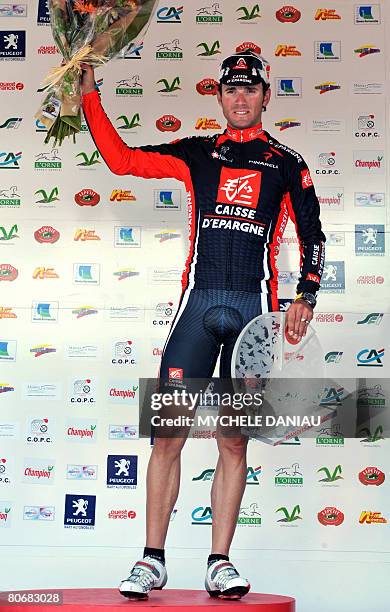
{"type": "Point", "coordinates": [90, 31]}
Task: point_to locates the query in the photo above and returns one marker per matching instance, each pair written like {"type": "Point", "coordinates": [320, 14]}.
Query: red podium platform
{"type": "Point", "coordinates": [109, 600]}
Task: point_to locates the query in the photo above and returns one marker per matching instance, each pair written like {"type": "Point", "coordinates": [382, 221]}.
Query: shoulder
{"type": "Point", "coordinates": [292, 156]}
{"type": "Point", "coordinates": [199, 141]}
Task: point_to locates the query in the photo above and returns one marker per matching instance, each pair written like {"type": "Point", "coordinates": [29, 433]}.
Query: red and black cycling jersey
{"type": "Point", "coordinates": [241, 186]}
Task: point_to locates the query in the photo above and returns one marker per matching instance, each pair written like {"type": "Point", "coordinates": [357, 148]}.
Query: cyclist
{"type": "Point", "coordinates": [242, 185]}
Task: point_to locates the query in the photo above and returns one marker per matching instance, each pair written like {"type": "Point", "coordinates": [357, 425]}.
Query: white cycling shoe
{"type": "Point", "coordinates": [146, 575]}
{"type": "Point", "coordinates": [224, 581]}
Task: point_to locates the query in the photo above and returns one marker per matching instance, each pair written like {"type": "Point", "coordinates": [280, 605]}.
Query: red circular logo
{"type": "Point", "coordinates": [207, 87]}
{"type": "Point", "coordinates": [288, 14]}
{"type": "Point", "coordinates": [380, 280]}
{"type": "Point", "coordinates": [330, 516]}
{"type": "Point", "coordinates": [46, 234]}
{"type": "Point", "coordinates": [168, 123]}
{"type": "Point", "coordinates": [339, 318]}
{"type": "Point", "coordinates": [248, 45]}
{"type": "Point", "coordinates": [372, 476]}
{"type": "Point", "coordinates": [19, 86]}
{"type": "Point", "coordinates": [8, 272]}
{"type": "Point", "coordinates": [87, 197]}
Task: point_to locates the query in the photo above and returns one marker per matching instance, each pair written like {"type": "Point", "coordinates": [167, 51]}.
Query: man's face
{"type": "Point", "coordinates": [242, 105]}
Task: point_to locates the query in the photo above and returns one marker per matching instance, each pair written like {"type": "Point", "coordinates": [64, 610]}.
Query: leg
{"type": "Point", "coordinates": [162, 483]}
{"type": "Point", "coordinates": [227, 490]}
{"type": "Point", "coordinates": [187, 341]}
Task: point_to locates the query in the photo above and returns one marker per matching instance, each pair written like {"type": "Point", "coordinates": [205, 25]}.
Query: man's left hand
{"type": "Point", "coordinates": [298, 317]}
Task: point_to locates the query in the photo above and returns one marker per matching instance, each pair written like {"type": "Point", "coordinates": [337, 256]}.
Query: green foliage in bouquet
{"type": "Point", "coordinates": [89, 31]}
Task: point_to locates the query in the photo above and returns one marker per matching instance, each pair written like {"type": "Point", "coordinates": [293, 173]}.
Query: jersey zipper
{"type": "Point", "coordinates": [229, 282]}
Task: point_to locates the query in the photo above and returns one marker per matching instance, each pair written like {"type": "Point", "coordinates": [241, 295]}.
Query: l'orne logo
{"type": "Point", "coordinates": [131, 87]}
{"type": "Point", "coordinates": [170, 50]}
{"type": "Point", "coordinates": [48, 160]}
{"type": "Point", "coordinates": [209, 14]}
{"type": "Point", "coordinates": [9, 197]}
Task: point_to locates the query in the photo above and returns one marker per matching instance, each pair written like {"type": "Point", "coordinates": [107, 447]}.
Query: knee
{"type": "Point", "coordinates": [168, 447]}
{"type": "Point", "coordinates": [232, 447]}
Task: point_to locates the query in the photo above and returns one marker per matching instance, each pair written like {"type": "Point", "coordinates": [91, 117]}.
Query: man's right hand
{"type": "Point", "coordinates": [87, 78]}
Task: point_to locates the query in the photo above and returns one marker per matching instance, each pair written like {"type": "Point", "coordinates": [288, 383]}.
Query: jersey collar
{"type": "Point", "coordinates": [245, 135]}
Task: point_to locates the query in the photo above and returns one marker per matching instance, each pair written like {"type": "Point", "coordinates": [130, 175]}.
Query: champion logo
{"type": "Point", "coordinates": [175, 373]}
{"type": "Point", "coordinates": [81, 433]}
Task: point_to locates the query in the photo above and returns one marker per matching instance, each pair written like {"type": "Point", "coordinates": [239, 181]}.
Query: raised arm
{"type": "Point", "coordinates": [160, 161]}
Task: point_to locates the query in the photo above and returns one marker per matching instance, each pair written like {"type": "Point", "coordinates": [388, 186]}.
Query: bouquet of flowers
{"type": "Point", "coordinates": [90, 31]}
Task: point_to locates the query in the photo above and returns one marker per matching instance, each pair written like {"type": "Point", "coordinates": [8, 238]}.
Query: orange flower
{"type": "Point", "coordinates": [82, 6]}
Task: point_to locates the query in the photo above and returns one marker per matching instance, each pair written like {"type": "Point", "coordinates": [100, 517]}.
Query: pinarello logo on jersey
{"type": "Point", "coordinates": [306, 179]}
{"type": "Point", "coordinates": [330, 516]}
{"type": "Point", "coordinates": [8, 273]}
{"type": "Point", "coordinates": [288, 14]}
{"type": "Point", "coordinates": [313, 277]}
{"type": "Point", "coordinates": [46, 234]}
{"type": "Point", "coordinates": [175, 373]}
{"type": "Point", "coordinates": [207, 87]}
{"type": "Point", "coordinates": [87, 197]}
{"type": "Point", "coordinates": [239, 186]}
{"type": "Point", "coordinates": [371, 476]}
{"type": "Point", "coordinates": [168, 123]}
{"type": "Point", "coordinates": [245, 46]}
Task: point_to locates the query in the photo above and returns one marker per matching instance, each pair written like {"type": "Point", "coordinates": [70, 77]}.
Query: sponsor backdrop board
{"type": "Point", "coordinates": [90, 271]}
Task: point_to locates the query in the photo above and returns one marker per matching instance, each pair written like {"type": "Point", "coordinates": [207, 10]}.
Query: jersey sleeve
{"type": "Point", "coordinates": [304, 211]}
{"type": "Point", "coordinates": [169, 160]}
